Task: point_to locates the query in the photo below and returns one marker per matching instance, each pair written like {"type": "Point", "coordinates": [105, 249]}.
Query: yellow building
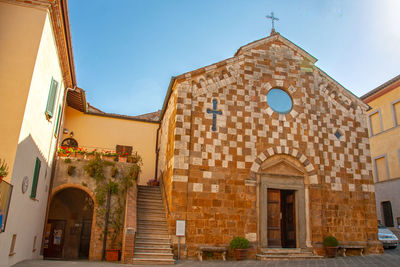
{"type": "Point", "coordinates": [36, 68]}
{"type": "Point", "coordinates": [384, 135]}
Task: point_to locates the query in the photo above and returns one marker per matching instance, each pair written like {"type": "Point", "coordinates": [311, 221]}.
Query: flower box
{"type": "Point", "coordinates": [122, 159]}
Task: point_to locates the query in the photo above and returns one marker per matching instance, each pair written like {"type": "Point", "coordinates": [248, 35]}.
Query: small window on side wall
{"type": "Point", "coordinates": [51, 99]}
{"type": "Point", "coordinates": [381, 170]}
{"type": "Point", "coordinates": [375, 123]}
{"type": "Point", "coordinates": [396, 112]}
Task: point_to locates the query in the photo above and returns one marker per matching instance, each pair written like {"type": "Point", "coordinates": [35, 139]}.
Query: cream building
{"type": "Point", "coordinates": [36, 68]}
{"type": "Point", "coordinates": [384, 132]}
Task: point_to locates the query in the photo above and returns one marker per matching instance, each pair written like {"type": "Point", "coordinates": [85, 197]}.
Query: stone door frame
{"type": "Point", "coordinates": [284, 182]}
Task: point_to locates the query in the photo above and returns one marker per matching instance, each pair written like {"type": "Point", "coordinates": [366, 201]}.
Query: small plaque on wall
{"type": "Point", "coordinates": [180, 227]}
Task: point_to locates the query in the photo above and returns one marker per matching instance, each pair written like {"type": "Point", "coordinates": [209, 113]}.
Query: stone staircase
{"type": "Point", "coordinates": [286, 254]}
{"type": "Point", "coordinates": [152, 243]}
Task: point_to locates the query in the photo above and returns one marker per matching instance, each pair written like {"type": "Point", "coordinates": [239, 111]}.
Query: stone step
{"type": "Point", "coordinates": [152, 209]}
{"type": "Point", "coordinates": [152, 217]}
{"type": "Point", "coordinates": [148, 239]}
{"type": "Point", "coordinates": [148, 227]}
{"type": "Point", "coordinates": [281, 250]}
{"type": "Point", "coordinates": [295, 256]}
{"type": "Point", "coordinates": [145, 203]}
{"type": "Point", "coordinates": [152, 223]}
{"type": "Point", "coordinates": [144, 231]}
{"type": "Point", "coordinates": [146, 243]}
{"type": "Point", "coordinates": [140, 249]}
{"type": "Point", "coordinates": [152, 235]}
{"type": "Point", "coordinates": [153, 255]}
{"type": "Point", "coordinates": [149, 196]}
{"type": "Point", "coordinates": [146, 261]}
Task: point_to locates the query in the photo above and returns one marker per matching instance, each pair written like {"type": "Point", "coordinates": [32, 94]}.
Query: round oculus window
{"type": "Point", "coordinates": [279, 101]}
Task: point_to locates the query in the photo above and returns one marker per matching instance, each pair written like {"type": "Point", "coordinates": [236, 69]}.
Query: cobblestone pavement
{"type": "Point", "coordinates": [391, 257]}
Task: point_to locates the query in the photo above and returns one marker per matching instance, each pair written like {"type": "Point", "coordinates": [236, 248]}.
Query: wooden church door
{"type": "Point", "coordinates": [281, 221]}
{"type": "Point", "coordinates": [274, 218]}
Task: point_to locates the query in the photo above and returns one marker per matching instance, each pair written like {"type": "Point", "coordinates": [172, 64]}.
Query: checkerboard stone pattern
{"type": "Point", "coordinates": [212, 182]}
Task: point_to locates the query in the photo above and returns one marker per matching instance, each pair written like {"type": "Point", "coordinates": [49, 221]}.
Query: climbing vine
{"type": "Point", "coordinates": [112, 191]}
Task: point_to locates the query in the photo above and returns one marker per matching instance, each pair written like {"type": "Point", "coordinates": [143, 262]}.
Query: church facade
{"type": "Point", "coordinates": [267, 146]}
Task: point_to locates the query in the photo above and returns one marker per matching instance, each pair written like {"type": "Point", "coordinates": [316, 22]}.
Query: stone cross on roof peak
{"type": "Point", "coordinates": [272, 18]}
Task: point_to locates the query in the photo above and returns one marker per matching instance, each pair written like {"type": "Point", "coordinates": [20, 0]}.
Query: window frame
{"type": "Point", "coordinates": [35, 179]}
{"type": "Point", "coordinates": [51, 98]}
{"type": "Point", "coordinates": [396, 121]}
{"type": "Point", "coordinates": [371, 133]}
{"type": "Point", "coordinates": [376, 169]}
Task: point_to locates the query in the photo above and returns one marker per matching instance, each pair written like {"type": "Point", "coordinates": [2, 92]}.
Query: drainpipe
{"type": "Point", "coordinates": [53, 166]}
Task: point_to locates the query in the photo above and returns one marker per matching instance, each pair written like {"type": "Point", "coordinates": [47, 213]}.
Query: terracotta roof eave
{"type": "Point", "coordinates": [380, 87]}
{"type": "Point", "coordinates": [67, 29]}
{"type": "Point", "coordinates": [123, 117]}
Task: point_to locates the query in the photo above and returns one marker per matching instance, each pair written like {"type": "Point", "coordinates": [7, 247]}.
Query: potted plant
{"type": "Point", "coordinates": [79, 153]}
{"type": "Point", "coordinates": [331, 246]}
{"type": "Point", "coordinates": [3, 169]}
{"type": "Point", "coordinates": [109, 155]}
{"type": "Point", "coordinates": [240, 245]}
{"type": "Point", "coordinates": [153, 182]}
{"type": "Point", "coordinates": [62, 151]}
{"type": "Point", "coordinates": [123, 157]}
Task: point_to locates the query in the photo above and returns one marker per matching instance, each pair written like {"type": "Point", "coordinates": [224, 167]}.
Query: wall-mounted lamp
{"type": "Point", "coordinates": [65, 131]}
{"type": "Point", "coordinates": [71, 134]}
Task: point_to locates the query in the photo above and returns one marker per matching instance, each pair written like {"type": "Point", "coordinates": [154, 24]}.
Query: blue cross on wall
{"type": "Point", "coordinates": [214, 112]}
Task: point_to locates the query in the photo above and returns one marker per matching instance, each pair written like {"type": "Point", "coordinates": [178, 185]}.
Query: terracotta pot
{"type": "Point", "coordinates": [108, 158]}
{"type": "Point", "coordinates": [331, 252]}
{"type": "Point", "coordinates": [240, 254]}
{"type": "Point", "coordinates": [79, 156]}
{"type": "Point", "coordinates": [112, 254]}
{"type": "Point", "coordinates": [61, 154]}
{"type": "Point", "coordinates": [122, 159]}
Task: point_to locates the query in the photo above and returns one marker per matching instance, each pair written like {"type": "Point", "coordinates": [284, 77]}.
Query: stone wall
{"type": "Point", "coordinates": [81, 180]}
{"type": "Point", "coordinates": [218, 199]}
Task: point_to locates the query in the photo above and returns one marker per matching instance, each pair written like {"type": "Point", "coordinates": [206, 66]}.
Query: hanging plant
{"type": "Point", "coordinates": [3, 169]}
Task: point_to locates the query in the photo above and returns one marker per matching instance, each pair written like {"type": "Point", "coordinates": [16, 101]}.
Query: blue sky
{"type": "Point", "coordinates": [126, 51]}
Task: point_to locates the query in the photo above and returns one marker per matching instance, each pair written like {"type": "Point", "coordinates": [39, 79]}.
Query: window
{"type": "Point", "coordinates": [51, 100]}
{"type": "Point", "coordinates": [279, 101]}
{"type": "Point", "coordinates": [124, 150]}
{"type": "Point", "coordinates": [375, 123]}
{"type": "Point", "coordinates": [12, 247]}
{"type": "Point", "coordinates": [396, 112]}
{"type": "Point", "coordinates": [381, 170]}
{"type": "Point", "coordinates": [34, 244]}
{"type": "Point", "coordinates": [387, 213]}
{"type": "Point", "coordinates": [57, 121]}
{"type": "Point", "coordinates": [35, 180]}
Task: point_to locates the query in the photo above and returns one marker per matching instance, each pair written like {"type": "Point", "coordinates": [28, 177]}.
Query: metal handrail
{"type": "Point", "coordinates": [164, 194]}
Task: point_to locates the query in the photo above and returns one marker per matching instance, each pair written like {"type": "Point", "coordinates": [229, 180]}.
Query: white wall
{"type": "Point", "coordinates": [26, 216]}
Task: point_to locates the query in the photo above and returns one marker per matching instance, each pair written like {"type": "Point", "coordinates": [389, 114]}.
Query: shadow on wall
{"type": "Point", "coordinates": [28, 203]}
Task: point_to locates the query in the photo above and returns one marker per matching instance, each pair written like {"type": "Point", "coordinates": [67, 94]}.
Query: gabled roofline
{"type": "Point", "coordinates": [381, 89]}
{"type": "Point", "coordinates": [274, 36]}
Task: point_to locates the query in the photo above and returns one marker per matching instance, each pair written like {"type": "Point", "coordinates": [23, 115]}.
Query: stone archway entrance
{"type": "Point", "coordinates": [68, 229]}
{"type": "Point", "coordinates": [283, 203]}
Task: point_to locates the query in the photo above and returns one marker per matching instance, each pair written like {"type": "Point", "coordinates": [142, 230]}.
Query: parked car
{"type": "Point", "coordinates": [388, 239]}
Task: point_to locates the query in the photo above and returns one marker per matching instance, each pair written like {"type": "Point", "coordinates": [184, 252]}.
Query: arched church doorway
{"type": "Point", "coordinates": [69, 224]}
{"type": "Point", "coordinates": [283, 202]}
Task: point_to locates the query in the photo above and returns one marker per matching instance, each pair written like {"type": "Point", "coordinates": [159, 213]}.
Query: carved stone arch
{"type": "Point", "coordinates": [202, 81]}
{"type": "Point", "coordinates": [308, 167]}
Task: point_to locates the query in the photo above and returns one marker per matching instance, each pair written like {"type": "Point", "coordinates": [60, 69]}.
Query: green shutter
{"type": "Point", "coordinates": [51, 100]}
{"type": "Point", "coordinates": [58, 120]}
{"type": "Point", "coordinates": [35, 178]}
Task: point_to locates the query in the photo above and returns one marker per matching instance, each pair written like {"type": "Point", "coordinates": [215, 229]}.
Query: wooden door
{"type": "Point", "coordinates": [85, 239]}
{"type": "Point", "coordinates": [54, 239]}
{"type": "Point", "coordinates": [288, 219]}
{"type": "Point", "coordinates": [274, 218]}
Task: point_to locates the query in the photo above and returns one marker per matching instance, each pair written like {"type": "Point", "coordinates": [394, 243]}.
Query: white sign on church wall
{"type": "Point", "coordinates": [180, 227]}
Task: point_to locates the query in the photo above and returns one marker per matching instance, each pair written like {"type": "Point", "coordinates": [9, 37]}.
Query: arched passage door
{"type": "Point", "coordinates": [69, 224]}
